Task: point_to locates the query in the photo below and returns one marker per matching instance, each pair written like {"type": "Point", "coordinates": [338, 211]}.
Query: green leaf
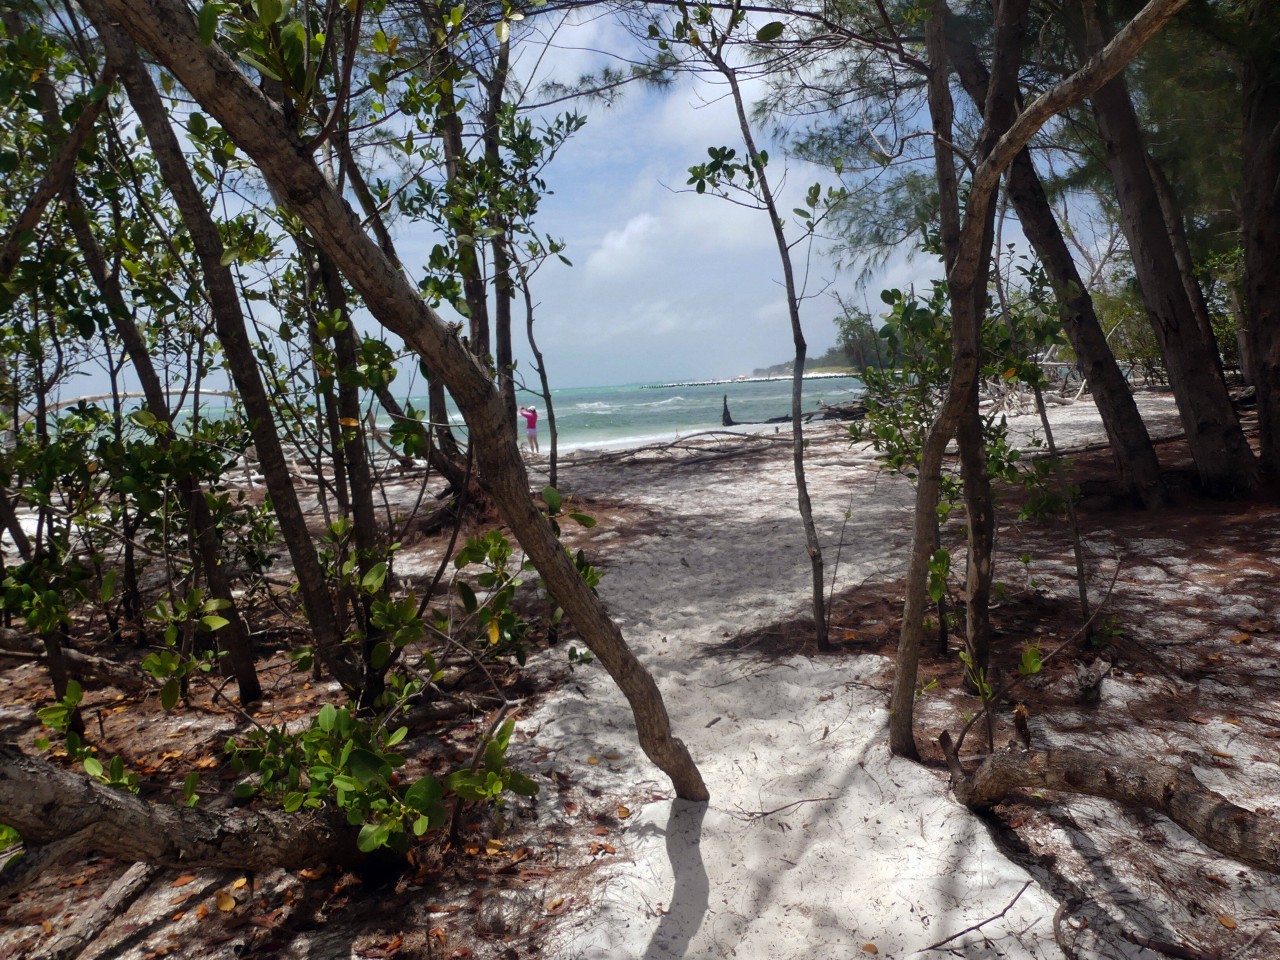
{"type": "Point", "coordinates": [367, 767]}
{"type": "Point", "coordinates": [502, 31]}
{"type": "Point", "coordinates": [108, 588]}
{"type": "Point", "coordinates": [518, 783]}
{"type": "Point", "coordinates": [143, 418]}
{"type": "Point", "coordinates": [468, 596]}
{"type": "Point", "coordinates": [169, 693]}
{"type": "Point", "coordinates": [371, 837]}
{"type": "Point", "coordinates": [229, 256]}
{"type": "Point", "coordinates": [208, 23]}
{"type": "Point", "coordinates": [397, 736]}
{"type": "Point", "coordinates": [424, 794]}
{"type": "Point", "coordinates": [583, 520]}
{"type": "Point", "coordinates": [293, 801]}
{"type": "Point", "coordinates": [553, 499]}
{"type": "Point", "coordinates": [260, 67]}
{"type": "Point", "coordinates": [93, 767]}
{"type": "Point", "coordinates": [343, 782]}
{"type": "Point", "coordinates": [325, 719]}
{"type": "Point", "coordinates": [269, 11]}
{"type": "Point", "coordinates": [373, 580]}
{"type": "Point", "coordinates": [213, 622]}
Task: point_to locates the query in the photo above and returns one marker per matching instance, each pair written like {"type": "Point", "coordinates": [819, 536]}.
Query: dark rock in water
{"type": "Point", "coordinates": [825, 411]}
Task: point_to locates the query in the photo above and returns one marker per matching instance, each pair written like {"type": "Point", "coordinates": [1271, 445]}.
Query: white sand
{"type": "Point", "coordinates": [864, 853]}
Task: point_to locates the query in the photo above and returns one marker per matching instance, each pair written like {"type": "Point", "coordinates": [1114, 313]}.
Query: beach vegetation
{"type": "Point", "coordinates": [136, 517]}
{"type": "Point", "coordinates": [180, 208]}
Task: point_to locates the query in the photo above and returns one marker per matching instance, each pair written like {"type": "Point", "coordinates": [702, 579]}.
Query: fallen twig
{"type": "Point", "coordinates": [761, 814]}
{"type": "Point", "coordinates": [978, 926]}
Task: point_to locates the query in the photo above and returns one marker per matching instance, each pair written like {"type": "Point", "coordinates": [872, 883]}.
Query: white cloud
{"type": "Point", "coordinates": [632, 248]}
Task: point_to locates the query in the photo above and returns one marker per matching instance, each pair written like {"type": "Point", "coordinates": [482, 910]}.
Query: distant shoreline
{"type": "Point", "coordinates": [716, 383]}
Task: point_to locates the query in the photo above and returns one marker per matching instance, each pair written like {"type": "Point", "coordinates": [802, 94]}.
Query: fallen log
{"type": "Point", "coordinates": [1211, 818]}
{"type": "Point", "coordinates": [53, 807]}
{"type": "Point", "coordinates": [84, 667]}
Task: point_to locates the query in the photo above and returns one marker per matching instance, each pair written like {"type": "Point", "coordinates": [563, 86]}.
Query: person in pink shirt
{"type": "Point", "coordinates": [530, 415]}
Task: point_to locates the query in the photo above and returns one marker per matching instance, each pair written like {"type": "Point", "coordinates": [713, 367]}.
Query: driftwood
{"type": "Point", "coordinates": [84, 667]}
{"type": "Point", "coordinates": [57, 810]}
{"type": "Point", "coordinates": [1215, 821]}
{"type": "Point", "coordinates": [825, 411]}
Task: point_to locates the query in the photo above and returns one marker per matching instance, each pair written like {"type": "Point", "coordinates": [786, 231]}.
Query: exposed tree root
{"type": "Point", "coordinates": [1215, 821]}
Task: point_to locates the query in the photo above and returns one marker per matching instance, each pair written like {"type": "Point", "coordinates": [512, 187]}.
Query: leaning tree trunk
{"type": "Point", "coordinates": [1260, 220]}
{"type": "Point", "coordinates": [1215, 821]}
{"type": "Point", "coordinates": [1131, 447]}
{"type": "Point", "coordinates": [963, 274]}
{"type": "Point", "coordinates": [48, 805]}
{"type": "Point", "coordinates": [1225, 463]}
{"type": "Point", "coordinates": [166, 28]}
{"type": "Point", "coordinates": [234, 337]}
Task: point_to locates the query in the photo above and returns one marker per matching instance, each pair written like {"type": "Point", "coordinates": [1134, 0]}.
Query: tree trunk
{"type": "Point", "coordinates": [963, 273]}
{"type": "Point", "coordinates": [1260, 220]}
{"type": "Point", "coordinates": [1172, 213]}
{"type": "Point", "coordinates": [540, 365]}
{"type": "Point", "coordinates": [1212, 819]}
{"type": "Point", "coordinates": [981, 523]}
{"type": "Point", "coordinates": [234, 336]}
{"type": "Point", "coordinates": [503, 280]}
{"type": "Point", "coordinates": [46, 804]}
{"type": "Point", "coordinates": [166, 28]}
{"type": "Point", "coordinates": [1225, 463]}
{"type": "Point", "coordinates": [1131, 446]}
{"type": "Point", "coordinates": [812, 545]}
{"type": "Point", "coordinates": [355, 451]}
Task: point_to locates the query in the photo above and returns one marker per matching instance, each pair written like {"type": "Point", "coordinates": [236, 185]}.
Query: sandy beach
{"type": "Point", "coordinates": [816, 842]}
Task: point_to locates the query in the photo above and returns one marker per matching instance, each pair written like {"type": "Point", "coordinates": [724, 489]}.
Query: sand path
{"type": "Point", "coordinates": [816, 842]}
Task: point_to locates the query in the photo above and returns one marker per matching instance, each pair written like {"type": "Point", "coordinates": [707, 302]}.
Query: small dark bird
{"type": "Point", "coordinates": [1020, 724]}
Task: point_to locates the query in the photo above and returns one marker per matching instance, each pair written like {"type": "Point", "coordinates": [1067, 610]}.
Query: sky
{"type": "Point", "coordinates": [666, 285]}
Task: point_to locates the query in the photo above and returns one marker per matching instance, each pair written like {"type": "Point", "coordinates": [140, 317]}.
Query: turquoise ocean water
{"type": "Point", "coordinates": [636, 414]}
